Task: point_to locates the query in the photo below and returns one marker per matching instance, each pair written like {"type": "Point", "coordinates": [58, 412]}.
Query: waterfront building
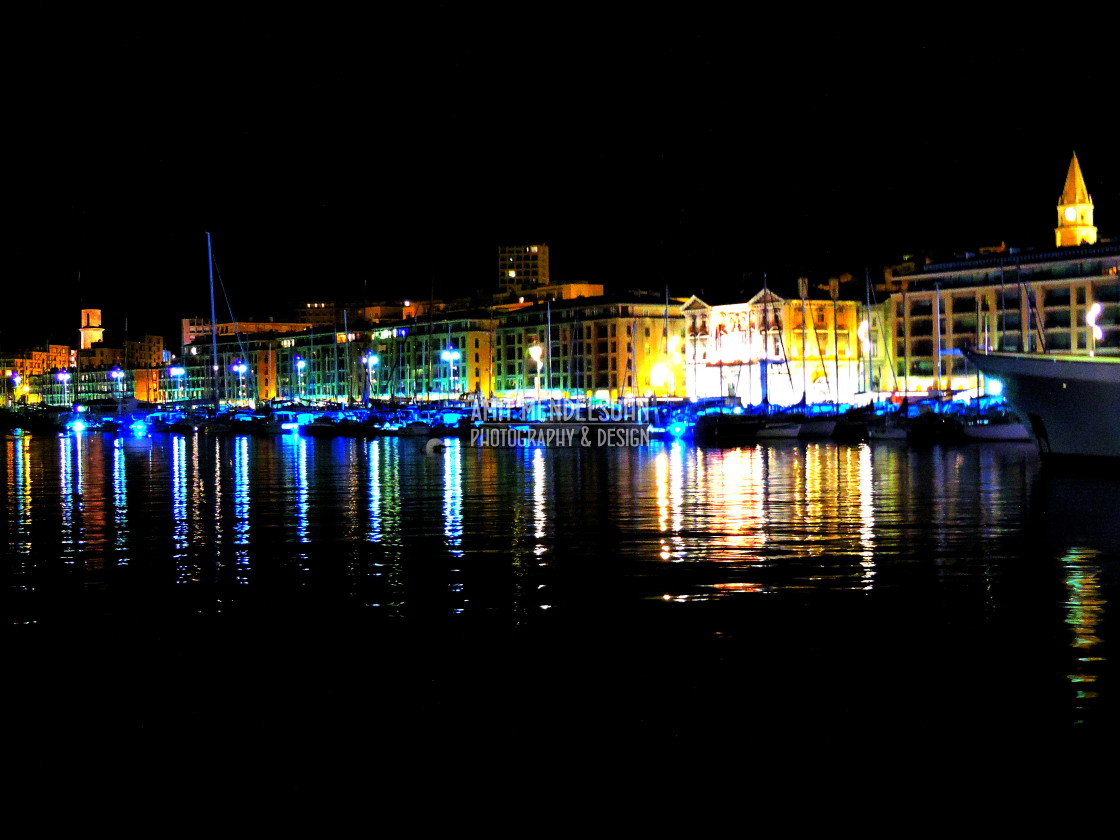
{"type": "Point", "coordinates": [1064, 300]}
{"type": "Point", "coordinates": [147, 353]}
{"type": "Point", "coordinates": [1054, 301]}
{"type": "Point", "coordinates": [777, 351]}
{"type": "Point", "coordinates": [198, 330]}
{"type": "Point", "coordinates": [610, 347]}
{"type": "Point", "coordinates": [24, 371]}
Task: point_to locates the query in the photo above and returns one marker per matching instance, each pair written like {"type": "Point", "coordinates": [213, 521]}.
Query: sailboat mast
{"type": "Point", "coordinates": [803, 289]}
{"type": "Point", "coordinates": [548, 354]}
{"type": "Point", "coordinates": [870, 346]}
{"type": "Point", "coordinates": [213, 327]}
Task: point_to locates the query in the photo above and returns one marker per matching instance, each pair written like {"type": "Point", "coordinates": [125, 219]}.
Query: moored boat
{"type": "Point", "coordinates": [995, 427]}
{"type": "Point", "coordinates": [726, 428]}
{"type": "Point", "coordinates": [1070, 402]}
{"type": "Point", "coordinates": [774, 429]}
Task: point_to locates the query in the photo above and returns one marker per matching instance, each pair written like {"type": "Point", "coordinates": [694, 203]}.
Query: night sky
{"type": "Point", "coordinates": [386, 157]}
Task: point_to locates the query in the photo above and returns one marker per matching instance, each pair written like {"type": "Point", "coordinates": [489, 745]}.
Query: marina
{"type": "Point", "coordinates": [372, 597]}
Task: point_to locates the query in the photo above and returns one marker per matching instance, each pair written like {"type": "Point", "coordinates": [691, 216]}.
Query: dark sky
{"type": "Point", "coordinates": [386, 156]}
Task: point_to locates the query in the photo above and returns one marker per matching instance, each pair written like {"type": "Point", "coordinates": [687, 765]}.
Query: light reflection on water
{"type": "Point", "coordinates": [380, 527]}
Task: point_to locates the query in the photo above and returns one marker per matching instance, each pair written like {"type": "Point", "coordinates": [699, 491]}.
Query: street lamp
{"type": "Point", "coordinates": [1095, 332]}
{"type": "Point", "coordinates": [116, 374]}
{"type": "Point", "coordinates": [64, 377]}
{"type": "Point", "coordinates": [300, 365]}
{"type": "Point", "coordinates": [451, 356]}
{"type": "Point", "coordinates": [372, 360]}
{"type": "Point", "coordinates": [535, 353]}
{"type": "Point", "coordinates": [239, 367]}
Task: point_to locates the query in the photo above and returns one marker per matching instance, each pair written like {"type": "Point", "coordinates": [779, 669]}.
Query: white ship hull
{"type": "Point", "coordinates": [1070, 403]}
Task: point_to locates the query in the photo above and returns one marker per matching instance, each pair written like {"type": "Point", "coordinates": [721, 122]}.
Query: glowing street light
{"type": "Point", "coordinates": [372, 360]}
{"type": "Point", "coordinates": [300, 365]}
{"type": "Point", "coordinates": [116, 374]}
{"type": "Point", "coordinates": [451, 356]}
{"type": "Point", "coordinates": [64, 377]}
{"type": "Point", "coordinates": [1095, 332]}
{"type": "Point", "coordinates": [535, 353]}
{"type": "Point", "coordinates": [239, 367]}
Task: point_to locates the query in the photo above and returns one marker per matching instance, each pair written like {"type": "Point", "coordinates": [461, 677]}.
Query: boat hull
{"type": "Point", "coordinates": [997, 432]}
{"type": "Point", "coordinates": [1071, 403]}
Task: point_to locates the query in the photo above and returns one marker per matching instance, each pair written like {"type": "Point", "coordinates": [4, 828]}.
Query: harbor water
{"type": "Point", "coordinates": [330, 613]}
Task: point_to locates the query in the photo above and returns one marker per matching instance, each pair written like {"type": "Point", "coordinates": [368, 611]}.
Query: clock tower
{"type": "Point", "coordinates": [1075, 211]}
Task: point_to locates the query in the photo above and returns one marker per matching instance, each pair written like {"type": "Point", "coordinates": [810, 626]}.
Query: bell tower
{"type": "Point", "coordinates": [91, 330]}
{"type": "Point", "coordinates": [1075, 211]}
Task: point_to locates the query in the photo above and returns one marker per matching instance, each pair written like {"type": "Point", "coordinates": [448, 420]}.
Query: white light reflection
{"type": "Point", "coordinates": [241, 509]}
{"type": "Point", "coordinates": [373, 483]}
{"type": "Point", "coordinates": [453, 495]}
{"type": "Point", "coordinates": [539, 509]}
{"type": "Point", "coordinates": [215, 511]}
{"type": "Point", "coordinates": [866, 515]}
{"type": "Point", "coordinates": [302, 494]}
{"type": "Point", "coordinates": [70, 493]}
{"type": "Point", "coordinates": [179, 532]}
{"type": "Point", "coordinates": [388, 481]}
{"type": "Point", "coordinates": [120, 506]}
{"type": "Point", "coordinates": [19, 479]}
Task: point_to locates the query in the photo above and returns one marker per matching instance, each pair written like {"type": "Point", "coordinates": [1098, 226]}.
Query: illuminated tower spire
{"type": "Point", "coordinates": [1075, 211]}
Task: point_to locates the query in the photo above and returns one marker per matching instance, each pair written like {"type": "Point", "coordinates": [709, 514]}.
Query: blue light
{"type": "Point", "coordinates": [677, 429]}
{"type": "Point", "coordinates": [77, 426]}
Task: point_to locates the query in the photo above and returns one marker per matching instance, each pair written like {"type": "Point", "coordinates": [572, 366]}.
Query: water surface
{"type": "Point", "coordinates": [281, 601]}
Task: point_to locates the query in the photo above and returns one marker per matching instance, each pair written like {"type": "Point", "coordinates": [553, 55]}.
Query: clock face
{"type": "Point", "coordinates": [1071, 214]}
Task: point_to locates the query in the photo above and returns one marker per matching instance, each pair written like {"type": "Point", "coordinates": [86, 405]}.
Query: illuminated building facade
{"type": "Point", "coordinates": [1053, 301]}
{"type": "Point", "coordinates": [777, 351]}
{"type": "Point", "coordinates": [522, 268]}
{"type": "Point", "coordinates": [199, 330]}
{"type": "Point", "coordinates": [611, 347]}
